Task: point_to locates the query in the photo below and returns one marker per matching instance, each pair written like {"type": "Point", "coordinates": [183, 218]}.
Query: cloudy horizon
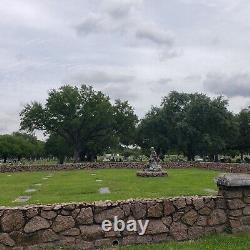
{"type": "Point", "coordinates": [135, 50]}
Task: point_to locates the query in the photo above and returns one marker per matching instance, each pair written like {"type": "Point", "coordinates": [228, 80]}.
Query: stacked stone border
{"type": "Point", "coordinates": [79, 225]}
{"type": "Point", "coordinates": [226, 167]}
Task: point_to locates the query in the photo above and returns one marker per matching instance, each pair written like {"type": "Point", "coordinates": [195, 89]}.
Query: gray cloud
{"type": "Point", "coordinates": [96, 23]}
{"type": "Point", "coordinates": [155, 35]}
{"type": "Point", "coordinates": [100, 23]}
{"type": "Point", "coordinates": [125, 18]}
{"type": "Point", "coordinates": [121, 9]}
{"type": "Point", "coordinates": [114, 16]}
{"type": "Point", "coordinates": [91, 24]}
{"type": "Point", "coordinates": [231, 86]}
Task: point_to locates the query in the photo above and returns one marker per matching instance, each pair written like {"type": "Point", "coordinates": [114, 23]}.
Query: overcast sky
{"type": "Point", "coordinates": [130, 49]}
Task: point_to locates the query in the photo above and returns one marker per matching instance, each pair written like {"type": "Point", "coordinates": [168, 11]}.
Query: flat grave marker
{"type": "Point", "coordinates": [31, 190]}
{"type": "Point", "coordinates": [104, 190]}
{"type": "Point", "coordinates": [22, 199]}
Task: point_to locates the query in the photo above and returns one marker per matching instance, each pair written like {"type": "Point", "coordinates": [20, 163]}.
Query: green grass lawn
{"type": "Point", "coordinates": [213, 242]}
{"type": "Point", "coordinates": [81, 185]}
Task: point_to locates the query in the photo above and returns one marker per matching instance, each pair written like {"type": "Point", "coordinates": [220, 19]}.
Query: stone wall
{"type": "Point", "coordinates": [226, 167]}
{"type": "Point", "coordinates": [236, 191]}
{"type": "Point", "coordinates": [79, 225]}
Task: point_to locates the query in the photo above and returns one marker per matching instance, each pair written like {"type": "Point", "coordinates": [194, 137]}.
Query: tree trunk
{"type": "Point", "coordinates": [4, 159]}
{"type": "Point", "coordinates": [241, 157]}
{"type": "Point", "coordinates": [91, 157]}
{"type": "Point", "coordinates": [190, 157]}
{"type": "Point", "coordinates": [190, 153]}
{"type": "Point", "coordinates": [216, 158]}
{"type": "Point", "coordinates": [61, 159]}
{"type": "Point", "coordinates": [211, 158]}
{"type": "Point", "coordinates": [76, 156]}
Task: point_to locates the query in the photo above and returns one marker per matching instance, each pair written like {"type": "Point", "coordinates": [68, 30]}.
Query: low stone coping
{"type": "Point", "coordinates": [234, 180]}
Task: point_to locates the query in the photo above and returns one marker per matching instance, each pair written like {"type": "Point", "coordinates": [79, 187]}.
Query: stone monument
{"type": "Point", "coordinates": [153, 168]}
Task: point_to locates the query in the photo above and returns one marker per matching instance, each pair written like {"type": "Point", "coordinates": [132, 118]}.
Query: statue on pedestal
{"type": "Point", "coordinates": [153, 163]}
{"type": "Point", "coordinates": [153, 168]}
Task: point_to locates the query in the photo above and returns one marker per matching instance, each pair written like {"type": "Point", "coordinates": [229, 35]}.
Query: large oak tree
{"type": "Point", "coordinates": [83, 117]}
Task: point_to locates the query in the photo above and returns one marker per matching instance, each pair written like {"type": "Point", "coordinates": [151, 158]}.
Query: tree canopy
{"type": "Point", "coordinates": [85, 119]}
{"type": "Point", "coordinates": [243, 141]}
{"type": "Point", "coordinates": [20, 145]}
{"type": "Point", "coordinates": [56, 146]}
{"type": "Point", "coordinates": [193, 124]}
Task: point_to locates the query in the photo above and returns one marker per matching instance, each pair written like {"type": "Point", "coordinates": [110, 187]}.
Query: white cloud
{"type": "Point", "coordinates": [120, 91]}
{"type": "Point", "coordinates": [225, 4]}
{"type": "Point", "coordinates": [28, 14]}
{"type": "Point", "coordinates": [100, 77]}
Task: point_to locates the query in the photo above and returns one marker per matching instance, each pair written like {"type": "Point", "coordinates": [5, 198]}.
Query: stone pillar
{"type": "Point", "coordinates": [235, 188]}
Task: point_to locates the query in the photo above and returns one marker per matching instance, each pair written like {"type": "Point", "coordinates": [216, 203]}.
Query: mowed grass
{"type": "Point", "coordinates": [213, 242]}
{"type": "Point", "coordinates": [83, 185]}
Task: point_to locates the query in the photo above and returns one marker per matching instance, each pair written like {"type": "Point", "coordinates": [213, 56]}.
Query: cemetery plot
{"type": "Point", "coordinates": [101, 184]}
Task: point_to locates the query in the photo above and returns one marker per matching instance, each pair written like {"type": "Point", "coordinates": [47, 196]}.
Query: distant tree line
{"type": "Point", "coordinates": [81, 123]}
{"type": "Point", "coordinates": [19, 145]}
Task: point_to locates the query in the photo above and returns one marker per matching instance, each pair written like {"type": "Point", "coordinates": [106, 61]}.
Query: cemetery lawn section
{"type": "Point", "coordinates": [84, 185]}
{"type": "Point", "coordinates": [213, 242]}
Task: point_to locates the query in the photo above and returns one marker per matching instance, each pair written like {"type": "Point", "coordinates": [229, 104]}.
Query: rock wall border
{"type": "Point", "coordinates": [226, 167]}
{"type": "Point", "coordinates": [79, 224]}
